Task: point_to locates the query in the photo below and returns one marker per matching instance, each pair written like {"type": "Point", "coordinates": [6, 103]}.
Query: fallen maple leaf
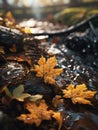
{"type": "Point", "coordinates": [37, 113]}
{"type": "Point", "coordinates": [79, 94]}
{"type": "Point", "coordinates": [46, 69]}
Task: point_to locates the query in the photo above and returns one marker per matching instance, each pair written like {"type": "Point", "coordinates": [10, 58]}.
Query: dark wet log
{"type": "Point", "coordinates": [9, 37]}
{"type": "Point", "coordinates": [12, 72]}
{"type": "Point", "coordinates": [66, 32]}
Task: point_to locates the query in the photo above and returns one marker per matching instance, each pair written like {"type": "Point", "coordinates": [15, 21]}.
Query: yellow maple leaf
{"type": "Point", "coordinates": [79, 94]}
{"type": "Point", "coordinates": [38, 112]}
{"type": "Point", "coordinates": [47, 70]}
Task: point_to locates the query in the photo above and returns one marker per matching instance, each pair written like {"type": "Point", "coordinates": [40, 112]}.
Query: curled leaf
{"type": "Point", "coordinates": [59, 118]}
{"type": "Point", "coordinates": [57, 101]}
{"type": "Point", "coordinates": [18, 94]}
{"type": "Point", "coordinates": [35, 97]}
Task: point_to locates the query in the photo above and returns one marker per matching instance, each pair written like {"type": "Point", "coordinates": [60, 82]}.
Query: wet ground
{"type": "Point", "coordinates": [78, 56]}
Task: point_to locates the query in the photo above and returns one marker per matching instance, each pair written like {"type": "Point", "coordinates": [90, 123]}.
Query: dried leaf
{"type": "Point", "coordinates": [18, 94]}
{"type": "Point", "coordinates": [2, 50]}
{"type": "Point", "coordinates": [8, 93]}
{"type": "Point", "coordinates": [5, 100]}
{"type": "Point", "coordinates": [9, 19]}
{"type": "Point", "coordinates": [3, 88]}
{"type": "Point", "coordinates": [27, 30]}
{"type": "Point", "coordinates": [21, 58]}
{"type": "Point", "coordinates": [59, 118]}
{"type": "Point", "coordinates": [35, 97]}
{"type": "Point", "coordinates": [18, 90]}
{"type": "Point", "coordinates": [56, 39]}
{"type": "Point", "coordinates": [13, 48]}
{"type": "Point", "coordinates": [46, 69]}
{"type": "Point", "coordinates": [37, 113]}
{"type": "Point", "coordinates": [57, 100]}
{"type": "Point", "coordinates": [26, 59]}
{"type": "Point", "coordinates": [79, 94]}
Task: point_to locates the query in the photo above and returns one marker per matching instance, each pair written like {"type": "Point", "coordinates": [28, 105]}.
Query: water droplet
{"type": "Point", "coordinates": [95, 40]}
{"type": "Point", "coordinates": [74, 67]}
{"type": "Point", "coordinates": [83, 50]}
{"type": "Point", "coordinates": [94, 63]}
{"type": "Point", "coordinates": [8, 73]}
{"type": "Point", "coordinates": [95, 53]}
{"type": "Point", "coordinates": [71, 60]}
{"type": "Point", "coordinates": [78, 67]}
{"type": "Point", "coordinates": [69, 66]}
{"type": "Point", "coordinates": [88, 46]}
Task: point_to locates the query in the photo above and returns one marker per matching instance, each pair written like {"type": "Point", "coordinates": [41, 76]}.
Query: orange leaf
{"type": "Point", "coordinates": [57, 100]}
{"type": "Point", "coordinates": [9, 19]}
{"type": "Point", "coordinates": [38, 112]}
{"type": "Point", "coordinates": [46, 69]}
{"type": "Point", "coordinates": [79, 94]}
{"type": "Point", "coordinates": [59, 118]}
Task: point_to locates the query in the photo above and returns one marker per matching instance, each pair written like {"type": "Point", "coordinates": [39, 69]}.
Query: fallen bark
{"type": "Point", "coordinates": [9, 37]}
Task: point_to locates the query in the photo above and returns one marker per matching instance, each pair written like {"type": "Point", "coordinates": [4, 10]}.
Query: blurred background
{"type": "Point", "coordinates": [74, 10]}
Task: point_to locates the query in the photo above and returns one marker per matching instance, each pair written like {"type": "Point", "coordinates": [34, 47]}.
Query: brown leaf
{"type": "Point", "coordinates": [38, 112]}
{"type": "Point", "coordinates": [2, 50]}
{"type": "Point", "coordinates": [13, 48]}
{"type": "Point", "coordinates": [21, 58]}
{"type": "Point", "coordinates": [3, 88]}
{"type": "Point", "coordinates": [46, 69]}
{"type": "Point", "coordinates": [57, 100]}
{"type": "Point", "coordinates": [56, 39]}
{"type": "Point", "coordinates": [79, 94]}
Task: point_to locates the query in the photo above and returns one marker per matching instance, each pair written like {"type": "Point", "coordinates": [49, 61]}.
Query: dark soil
{"type": "Point", "coordinates": [77, 54]}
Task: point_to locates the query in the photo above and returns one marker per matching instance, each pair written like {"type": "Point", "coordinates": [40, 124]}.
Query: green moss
{"type": "Point", "coordinates": [71, 16]}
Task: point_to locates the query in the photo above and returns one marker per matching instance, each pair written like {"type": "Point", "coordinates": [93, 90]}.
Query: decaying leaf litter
{"type": "Point", "coordinates": [46, 83]}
